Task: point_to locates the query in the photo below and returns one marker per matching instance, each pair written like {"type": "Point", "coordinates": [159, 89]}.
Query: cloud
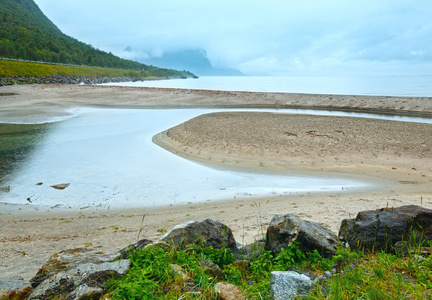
{"type": "Point", "coordinates": [277, 37]}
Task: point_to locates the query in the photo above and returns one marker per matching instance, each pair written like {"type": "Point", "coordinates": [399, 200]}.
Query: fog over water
{"type": "Point", "coordinates": [410, 86]}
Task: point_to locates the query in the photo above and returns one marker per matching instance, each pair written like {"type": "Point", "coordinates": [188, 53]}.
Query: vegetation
{"type": "Point", "coordinates": [18, 68]}
{"type": "Point", "coordinates": [26, 33]}
{"type": "Point", "coordinates": [358, 276]}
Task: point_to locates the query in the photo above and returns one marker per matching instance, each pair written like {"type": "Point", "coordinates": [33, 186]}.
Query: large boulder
{"type": "Point", "coordinates": [206, 233]}
{"type": "Point", "coordinates": [381, 229]}
{"type": "Point", "coordinates": [79, 273]}
{"type": "Point", "coordinates": [287, 229]}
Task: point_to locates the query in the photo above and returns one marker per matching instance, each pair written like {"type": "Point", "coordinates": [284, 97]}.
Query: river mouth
{"type": "Point", "coordinates": [106, 158]}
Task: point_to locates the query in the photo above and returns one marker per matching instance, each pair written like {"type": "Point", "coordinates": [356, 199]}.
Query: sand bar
{"type": "Point", "coordinates": [396, 154]}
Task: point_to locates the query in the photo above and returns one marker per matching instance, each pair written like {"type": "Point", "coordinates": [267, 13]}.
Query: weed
{"type": "Point", "coordinates": [162, 230]}
{"type": "Point", "coordinates": [141, 228]}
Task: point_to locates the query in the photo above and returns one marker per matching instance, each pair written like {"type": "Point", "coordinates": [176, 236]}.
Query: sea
{"type": "Point", "coordinates": [406, 86]}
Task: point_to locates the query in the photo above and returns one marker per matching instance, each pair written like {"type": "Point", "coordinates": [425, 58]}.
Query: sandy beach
{"type": "Point", "coordinates": [396, 155]}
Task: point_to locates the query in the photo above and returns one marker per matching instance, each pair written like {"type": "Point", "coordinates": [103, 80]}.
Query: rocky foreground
{"type": "Point", "coordinates": [83, 272]}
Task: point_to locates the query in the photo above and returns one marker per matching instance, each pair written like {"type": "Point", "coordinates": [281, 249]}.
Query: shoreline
{"type": "Point", "coordinates": [25, 242]}
{"type": "Point", "coordinates": [27, 102]}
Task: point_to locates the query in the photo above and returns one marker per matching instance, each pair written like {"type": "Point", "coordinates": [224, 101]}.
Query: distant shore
{"type": "Point", "coordinates": [394, 153]}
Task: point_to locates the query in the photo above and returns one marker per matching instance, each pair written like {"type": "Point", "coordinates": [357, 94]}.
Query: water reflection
{"type": "Point", "coordinates": [108, 158]}
{"type": "Point", "coordinates": [18, 142]}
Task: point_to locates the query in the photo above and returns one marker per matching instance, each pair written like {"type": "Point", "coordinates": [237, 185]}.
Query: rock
{"type": "Point", "coordinates": [125, 252]}
{"type": "Point", "coordinates": [226, 291]}
{"type": "Point", "coordinates": [183, 283]}
{"type": "Point", "coordinates": [286, 229]}
{"type": "Point", "coordinates": [381, 229]}
{"type": "Point", "coordinates": [61, 186]}
{"type": "Point", "coordinates": [60, 79]}
{"type": "Point", "coordinates": [159, 244]}
{"type": "Point", "coordinates": [206, 233]}
{"type": "Point", "coordinates": [14, 288]}
{"type": "Point", "coordinates": [5, 189]}
{"type": "Point", "coordinates": [252, 250]}
{"type": "Point", "coordinates": [179, 272]}
{"type": "Point", "coordinates": [288, 285]}
{"type": "Point", "coordinates": [211, 269]}
{"type": "Point", "coordinates": [310, 275]}
{"type": "Point", "coordinates": [76, 274]}
{"type": "Point", "coordinates": [84, 292]}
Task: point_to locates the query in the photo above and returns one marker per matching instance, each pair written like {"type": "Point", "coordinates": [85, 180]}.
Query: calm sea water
{"type": "Point", "coordinates": [413, 86]}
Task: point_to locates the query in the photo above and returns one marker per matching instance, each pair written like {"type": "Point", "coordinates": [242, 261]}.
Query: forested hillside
{"type": "Point", "coordinates": [26, 33]}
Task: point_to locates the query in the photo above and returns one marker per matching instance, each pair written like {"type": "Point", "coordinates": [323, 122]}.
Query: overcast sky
{"type": "Point", "coordinates": [278, 37]}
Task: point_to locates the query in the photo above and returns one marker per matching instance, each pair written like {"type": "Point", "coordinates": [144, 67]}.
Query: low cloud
{"type": "Point", "coordinates": [275, 37]}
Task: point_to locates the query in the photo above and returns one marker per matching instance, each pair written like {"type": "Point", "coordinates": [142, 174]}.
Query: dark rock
{"type": "Point", "coordinates": [211, 269]}
{"type": "Point", "coordinates": [381, 229]}
{"type": "Point", "coordinates": [252, 250]}
{"type": "Point", "coordinates": [206, 233]}
{"type": "Point", "coordinates": [227, 291]}
{"type": "Point", "coordinates": [287, 229]}
{"type": "Point", "coordinates": [125, 252]}
{"type": "Point", "coordinates": [288, 285]}
{"type": "Point", "coordinates": [14, 288]}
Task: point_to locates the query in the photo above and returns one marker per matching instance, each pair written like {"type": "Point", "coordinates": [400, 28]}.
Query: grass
{"type": "Point", "coordinates": [356, 275]}
{"type": "Point", "coordinates": [381, 276]}
{"type": "Point", "coordinates": [19, 68]}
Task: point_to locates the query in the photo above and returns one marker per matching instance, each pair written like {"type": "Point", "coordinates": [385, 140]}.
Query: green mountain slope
{"type": "Point", "coordinates": [26, 33]}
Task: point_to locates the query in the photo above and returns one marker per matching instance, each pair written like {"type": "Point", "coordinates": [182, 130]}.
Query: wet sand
{"type": "Point", "coordinates": [396, 155]}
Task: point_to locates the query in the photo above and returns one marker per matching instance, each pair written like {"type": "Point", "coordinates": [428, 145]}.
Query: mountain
{"type": "Point", "coordinates": [194, 60]}
{"type": "Point", "coordinates": [26, 33]}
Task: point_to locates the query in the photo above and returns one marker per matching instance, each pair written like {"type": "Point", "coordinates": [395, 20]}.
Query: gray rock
{"type": "Point", "coordinates": [381, 229]}
{"type": "Point", "coordinates": [67, 260]}
{"type": "Point", "coordinates": [76, 274]}
{"type": "Point", "coordinates": [288, 285]}
{"type": "Point", "coordinates": [86, 292]}
{"type": "Point", "coordinates": [14, 288]}
{"type": "Point", "coordinates": [206, 233]}
{"type": "Point", "coordinates": [286, 229]}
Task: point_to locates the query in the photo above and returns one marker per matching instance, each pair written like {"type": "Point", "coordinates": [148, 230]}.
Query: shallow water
{"type": "Point", "coordinates": [109, 159]}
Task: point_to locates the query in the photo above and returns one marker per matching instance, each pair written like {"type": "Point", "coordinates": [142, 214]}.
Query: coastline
{"type": "Point", "coordinates": [25, 242]}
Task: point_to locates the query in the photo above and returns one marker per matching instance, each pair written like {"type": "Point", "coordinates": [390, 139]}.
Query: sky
{"type": "Point", "coordinates": [273, 37]}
